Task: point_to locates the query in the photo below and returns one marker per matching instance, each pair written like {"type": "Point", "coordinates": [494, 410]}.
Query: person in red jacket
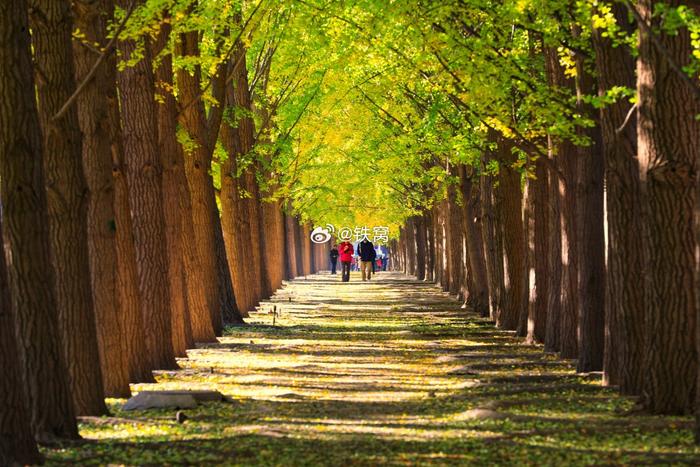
{"type": "Point", "coordinates": [346, 251]}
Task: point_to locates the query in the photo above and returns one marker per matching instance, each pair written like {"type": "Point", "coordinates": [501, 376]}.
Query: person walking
{"type": "Point", "coordinates": [367, 256]}
{"type": "Point", "coordinates": [334, 258]}
{"type": "Point", "coordinates": [346, 251]}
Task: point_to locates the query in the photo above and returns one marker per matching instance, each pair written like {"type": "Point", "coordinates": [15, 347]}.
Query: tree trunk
{"type": "Point", "coordinates": [26, 240]}
{"type": "Point", "coordinates": [291, 246]}
{"type": "Point", "coordinates": [67, 203]}
{"type": "Point", "coordinates": [457, 275]}
{"type": "Point", "coordinates": [235, 222]}
{"type": "Point", "coordinates": [474, 238]}
{"type": "Point", "coordinates": [101, 137]}
{"type": "Point", "coordinates": [552, 341]}
{"type": "Point", "coordinates": [410, 231]}
{"type": "Point", "coordinates": [168, 147]}
{"type": "Point", "coordinates": [17, 445]}
{"type": "Point", "coordinates": [537, 329]}
{"type": "Point", "coordinates": [668, 139]}
{"type": "Point", "coordinates": [492, 253]}
{"type": "Point", "coordinates": [430, 240]}
{"type": "Point", "coordinates": [129, 293]}
{"type": "Point", "coordinates": [624, 299]}
{"type": "Point", "coordinates": [529, 224]}
{"type": "Point", "coordinates": [306, 242]}
{"type": "Point", "coordinates": [205, 213]}
{"type": "Point", "coordinates": [566, 154]}
{"type": "Point", "coordinates": [144, 179]}
{"type": "Point", "coordinates": [273, 226]}
{"type": "Point", "coordinates": [421, 249]}
{"type": "Point", "coordinates": [240, 196]}
{"type": "Point", "coordinates": [298, 247]}
{"type": "Point", "coordinates": [513, 239]}
{"type": "Point", "coordinates": [569, 303]}
{"type": "Point", "coordinates": [590, 233]}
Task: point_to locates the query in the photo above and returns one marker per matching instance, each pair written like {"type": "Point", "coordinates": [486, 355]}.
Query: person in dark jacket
{"type": "Point", "coordinates": [346, 251]}
{"type": "Point", "coordinates": [367, 256]}
{"type": "Point", "coordinates": [334, 258]}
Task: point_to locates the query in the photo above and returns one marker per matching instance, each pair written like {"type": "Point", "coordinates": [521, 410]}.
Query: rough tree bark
{"type": "Point", "coordinates": [17, 148]}
{"type": "Point", "coordinates": [290, 246]}
{"type": "Point", "coordinates": [565, 155]}
{"type": "Point", "coordinates": [240, 196]}
{"type": "Point", "coordinates": [26, 236]}
{"type": "Point", "coordinates": [491, 236]}
{"type": "Point", "coordinates": [668, 138]}
{"type": "Point", "coordinates": [590, 233]}
{"type": "Point", "coordinates": [67, 202]}
{"type": "Point", "coordinates": [421, 249]}
{"type": "Point", "coordinates": [624, 299]}
{"type": "Point", "coordinates": [144, 180]}
{"type": "Point", "coordinates": [457, 276]}
{"type": "Point", "coordinates": [552, 341]}
{"type": "Point", "coordinates": [128, 276]}
{"type": "Point", "coordinates": [513, 239]}
{"type": "Point", "coordinates": [307, 259]}
{"type": "Point", "coordinates": [96, 104]}
{"type": "Point", "coordinates": [410, 240]}
{"type": "Point", "coordinates": [537, 329]}
{"type": "Point", "coordinates": [203, 132]}
{"type": "Point", "coordinates": [17, 445]}
{"type": "Point", "coordinates": [430, 240]}
{"type": "Point", "coordinates": [169, 147]}
{"type": "Point", "coordinates": [473, 233]}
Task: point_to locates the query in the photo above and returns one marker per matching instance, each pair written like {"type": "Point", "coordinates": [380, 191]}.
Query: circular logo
{"type": "Point", "coordinates": [320, 235]}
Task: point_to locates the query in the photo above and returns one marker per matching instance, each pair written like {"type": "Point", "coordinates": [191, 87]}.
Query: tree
{"type": "Point", "coordinates": [172, 212]}
{"type": "Point", "coordinates": [67, 202]}
{"type": "Point", "coordinates": [667, 138]}
{"type": "Point", "coordinates": [26, 238]}
{"type": "Point", "coordinates": [203, 130]}
{"type": "Point", "coordinates": [17, 445]}
{"type": "Point", "coordinates": [101, 138]}
{"type": "Point", "coordinates": [144, 180]}
{"type": "Point", "coordinates": [624, 299]}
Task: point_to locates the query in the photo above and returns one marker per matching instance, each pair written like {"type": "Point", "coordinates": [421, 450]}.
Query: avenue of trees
{"type": "Point", "coordinates": [162, 163]}
{"type": "Point", "coordinates": [117, 256]}
{"type": "Point", "coordinates": [572, 212]}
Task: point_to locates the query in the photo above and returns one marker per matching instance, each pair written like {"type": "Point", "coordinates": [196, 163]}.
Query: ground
{"type": "Point", "coordinates": [391, 371]}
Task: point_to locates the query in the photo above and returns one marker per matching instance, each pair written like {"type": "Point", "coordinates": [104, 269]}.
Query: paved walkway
{"type": "Point", "coordinates": [390, 371]}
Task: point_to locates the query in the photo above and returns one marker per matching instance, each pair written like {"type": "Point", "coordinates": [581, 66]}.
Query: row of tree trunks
{"type": "Point", "coordinates": [622, 303]}
{"type": "Point", "coordinates": [78, 323]}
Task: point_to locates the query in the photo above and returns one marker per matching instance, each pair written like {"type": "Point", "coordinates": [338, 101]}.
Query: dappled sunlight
{"type": "Point", "coordinates": [363, 374]}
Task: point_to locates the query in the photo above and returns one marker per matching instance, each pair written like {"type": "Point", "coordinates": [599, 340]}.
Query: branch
{"type": "Point", "coordinates": [385, 112]}
{"type": "Point", "coordinates": [627, 119]}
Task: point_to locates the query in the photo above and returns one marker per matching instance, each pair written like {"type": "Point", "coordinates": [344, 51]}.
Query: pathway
{"type": "Point", "coordinates": [386, 372]}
